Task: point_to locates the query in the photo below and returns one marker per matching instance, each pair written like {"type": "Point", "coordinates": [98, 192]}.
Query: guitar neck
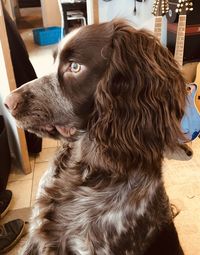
{"type": "Point", "coordinates": [180, 39]}
{"type": "Point", "coordinates": [158, 26]}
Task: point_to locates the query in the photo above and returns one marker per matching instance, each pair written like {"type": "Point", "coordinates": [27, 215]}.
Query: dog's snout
{"type": "Point", "coordinates": [12, 101]}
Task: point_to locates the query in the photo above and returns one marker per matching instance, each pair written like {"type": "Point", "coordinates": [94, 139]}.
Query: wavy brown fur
{"type": "Point", "coordinates": [140, 100]}
{"type": "Point", "coordinates": [104, 194]}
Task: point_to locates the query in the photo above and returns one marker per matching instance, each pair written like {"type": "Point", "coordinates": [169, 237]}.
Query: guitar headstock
{"type": "Point", "coordinates": [160, 7]}
{"type": "Point", "coordinates": [184, 6]}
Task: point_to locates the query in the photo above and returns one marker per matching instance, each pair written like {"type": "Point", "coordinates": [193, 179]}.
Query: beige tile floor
{"type": "Point", "coordinates": [24, 187]}
{"type": "Point", "coordinates": [181, 175]}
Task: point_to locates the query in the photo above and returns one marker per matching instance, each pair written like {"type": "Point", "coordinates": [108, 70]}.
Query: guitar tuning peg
{"type": "Point", "coordinates": [189, 9]}
{"type": "Point", "coordinates": [177, 10]}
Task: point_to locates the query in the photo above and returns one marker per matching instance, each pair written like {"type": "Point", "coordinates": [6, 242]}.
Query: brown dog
{"type": "Point", "coordinates": [117, 99]}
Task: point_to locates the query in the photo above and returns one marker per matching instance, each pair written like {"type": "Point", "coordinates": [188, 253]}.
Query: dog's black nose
{"type": "Point", "coordinates": [12, 101]}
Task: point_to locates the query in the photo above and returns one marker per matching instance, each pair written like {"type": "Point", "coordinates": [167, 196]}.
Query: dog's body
{"type": "Point", "coordinates": [119, 108]}
{"type": "Point", "coordinates": [98, 214]}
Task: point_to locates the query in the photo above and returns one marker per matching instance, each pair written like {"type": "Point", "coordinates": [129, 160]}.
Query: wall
{"type": "Point", "coordinates": [108, 11]}
{"type": "Point", "coordinates": [90, 14]}
{"type": "Point", "coordinates": [50, 13]}
{"type": "Point", "coordinates": [142, 19]}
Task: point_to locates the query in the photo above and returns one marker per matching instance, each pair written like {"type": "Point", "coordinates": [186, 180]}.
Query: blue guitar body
{"type": "Point", "coordinates": [190, 123]}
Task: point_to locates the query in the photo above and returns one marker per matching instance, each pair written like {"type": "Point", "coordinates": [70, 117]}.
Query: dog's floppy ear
{"type": "Point", "coordinates": [140, 100]}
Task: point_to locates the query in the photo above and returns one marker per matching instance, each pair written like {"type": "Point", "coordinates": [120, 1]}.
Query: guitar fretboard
{"type": "Point", "coordinates": [158, 26]}
{"type": "Point", "coordinates": [180, 39]}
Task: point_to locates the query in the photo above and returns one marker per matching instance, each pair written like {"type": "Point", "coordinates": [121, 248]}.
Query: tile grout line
{"type": "Point", "coordinates": [32, 199]}
{"type": "Point", "coordinates": [32, 182]}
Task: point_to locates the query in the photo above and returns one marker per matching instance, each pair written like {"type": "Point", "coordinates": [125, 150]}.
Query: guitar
{"type": "Point", "coordinates": [160, 8]}
{"type": "Point", "coordinates": [190, 122]}
{"type": "Point", "coordinates": [183, 7]}
{"type": "Point", "coordinates": [197, 82]}
{"type": "Point", "coordinates": [188, 68]}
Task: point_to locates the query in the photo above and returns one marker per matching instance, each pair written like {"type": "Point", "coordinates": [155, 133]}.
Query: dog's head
{"type": "Point", "coordinates": [114, 82]}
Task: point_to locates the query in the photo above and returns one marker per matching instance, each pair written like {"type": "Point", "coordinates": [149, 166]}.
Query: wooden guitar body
{"type": "Point", "coordinates": [197, 82]}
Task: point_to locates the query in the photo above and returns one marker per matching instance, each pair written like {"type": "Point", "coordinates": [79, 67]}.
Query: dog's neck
{"type": "Point", "coordinates": [88, 151]}
{"type": "Point", "coordinates": [91, 173]}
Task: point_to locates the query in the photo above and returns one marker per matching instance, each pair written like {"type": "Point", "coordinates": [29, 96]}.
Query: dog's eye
{"type": "Point", "coordinates": [75, 67]}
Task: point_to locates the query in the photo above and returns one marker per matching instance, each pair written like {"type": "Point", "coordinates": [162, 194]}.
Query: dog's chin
{"type": "Point", "coordinates": [44, 131]}
{"type": "Point", "coordinates": [59, 132]}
